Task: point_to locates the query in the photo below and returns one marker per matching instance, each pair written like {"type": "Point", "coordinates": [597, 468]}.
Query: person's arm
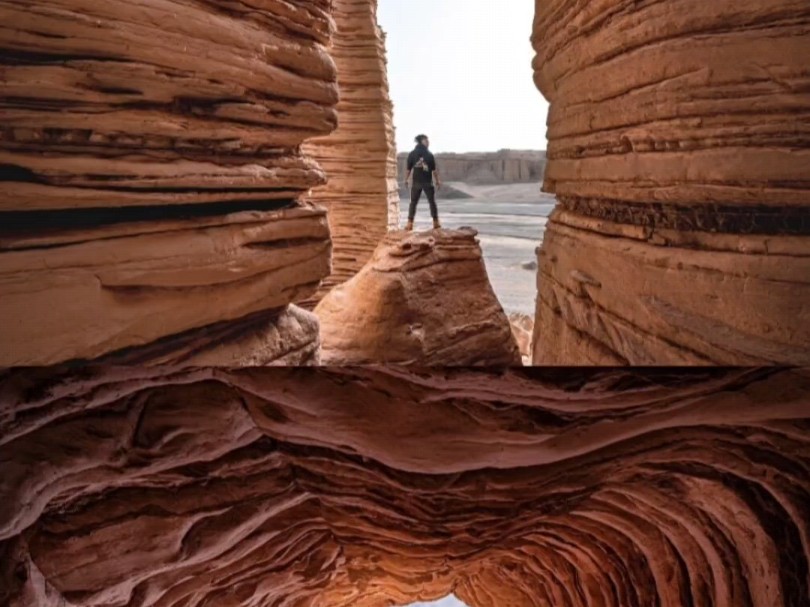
{"type": "Point", "coordinates": [410, 167]}
{"type": "Point", "coordinates": [407, 176]}
{"type": "Point", "coordinates": [436, 176]}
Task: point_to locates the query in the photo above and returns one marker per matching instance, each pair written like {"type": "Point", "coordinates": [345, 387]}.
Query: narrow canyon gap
{"type": "Point", "coordinates": [165, 198]}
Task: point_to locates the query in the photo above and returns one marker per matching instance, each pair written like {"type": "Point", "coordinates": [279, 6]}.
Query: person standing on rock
{"type": "Point", "coordinates": [423, 166]}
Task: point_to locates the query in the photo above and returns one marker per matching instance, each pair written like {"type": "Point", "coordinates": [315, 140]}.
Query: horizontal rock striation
{"type": "Point", "coordinates": [681, 163]}
{"type": "Point", "coordinates": [152, 171]}
{"type": "Point", "coordinates": [165, 487]}
{"type": "Point", "coordinates": [423, 299]}
{"type": "Point", "coordinates": [359, 157]}
{"type": "Point", "coordinates": [280, 337]}
{"type": "Point", "coordinates": [503, 166]}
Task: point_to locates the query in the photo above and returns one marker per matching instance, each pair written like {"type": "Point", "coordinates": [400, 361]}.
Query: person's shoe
{"type": "Point", "coordinates": [436, 224]}
{"type": "Point", "coordinates": [409, 227]}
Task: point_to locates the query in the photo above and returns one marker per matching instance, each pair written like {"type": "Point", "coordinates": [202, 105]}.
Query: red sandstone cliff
{"type": "Point", "coordinates": [168, 487]}
{"type": "Point", "coordinates": [679, 154]}
{"type": "Point", "coordinates": [152, 174]}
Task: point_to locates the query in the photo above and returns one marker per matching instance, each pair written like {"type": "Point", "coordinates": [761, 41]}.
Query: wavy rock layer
{"type": "Point", "coordinates": [281, 337]}
{"type": "Point", "coordinates": [151, 167]}
{"type": "Point", "coordinates": [679, 154]}
{"type": "Point", "coordinates": [422, 299]}
{"type": "Point", "coordinates": [360, 156]}
{"type": "Point", "coordinates": [369, 488]}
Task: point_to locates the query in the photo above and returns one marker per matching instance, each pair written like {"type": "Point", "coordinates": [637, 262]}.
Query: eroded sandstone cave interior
{"type": "Point", "coordinates": [376, 487]}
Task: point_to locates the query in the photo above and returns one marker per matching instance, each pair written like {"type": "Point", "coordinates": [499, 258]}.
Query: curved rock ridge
{"type": "Point", "coordinates": [360, 156]}
{"type": "Point", "coordinates": [280, 337]}
{"type": "Point", "coordinates": [152, 171]}
{"type": "Point", "coordinates": [424, 298]}
{"type": "Point", "coordinates": [679, 157]}
{"type": "Point", "coordinates": [371, 487]}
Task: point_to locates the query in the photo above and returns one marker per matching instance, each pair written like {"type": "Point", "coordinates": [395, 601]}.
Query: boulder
{"type": "Point", "coordinates": [423, 299]}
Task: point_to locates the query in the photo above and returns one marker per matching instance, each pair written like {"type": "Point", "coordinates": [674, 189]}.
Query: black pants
{"type": "Point", "coordinates": [416, 194]}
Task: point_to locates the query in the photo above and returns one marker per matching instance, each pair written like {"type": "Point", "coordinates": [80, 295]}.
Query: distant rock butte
{"type": "Point", "coordinates": [424, 298]}
{"type": "Point", "coordinates": [369, 487]}
{"type": "Point", "coordinates": [681, 167]}
{"type": "Point", "coordinates": [503, 166]}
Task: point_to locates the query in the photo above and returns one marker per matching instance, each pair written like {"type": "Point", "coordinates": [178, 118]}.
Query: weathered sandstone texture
{"type": "Point", "coordinates": [423, 299]}
{"type": "Point", "coordinates": [152, 171]}
{"type": "Point", "coordinates": [285, 337]}
{"type": "Point", "coordinates": [522, 326]}
{"type": "Point", "coordinates": [679, 151]}
{"type": "Point", "coordinates": [359, 157]}
{"type": "Point", "coordinates": [503, 166]}
{"type": "Point", "coordinates": [369, 488]}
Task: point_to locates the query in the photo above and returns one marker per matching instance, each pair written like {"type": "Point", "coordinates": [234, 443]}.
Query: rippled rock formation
{"type": "Point", "coordinates": [152, 171]}
{"type": "Point", "coordinates": [360, 156]}
{"type": "Point", "coordinates": [678, 154]}
{"type": "Point", "coordinates": [375, 487]}
{"type": "Point", "coordinates": [423, 299]}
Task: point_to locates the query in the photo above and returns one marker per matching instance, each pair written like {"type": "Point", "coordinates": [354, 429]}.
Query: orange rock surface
{"type": "Point", "coordinates": [679, 153]}
{"type": "Point", "coordinates": [423, 299]}
{"type": "Point", "coordinates": [152, 171]}
{"type": "Point", "coordinates": [359, 157]}
{"type": "Point", "coordinates": [167, 487]}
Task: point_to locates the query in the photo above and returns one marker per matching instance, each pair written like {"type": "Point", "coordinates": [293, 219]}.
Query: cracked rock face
{"type": "Point", "coordinates": [680, 160]}
{"type": "Point", "coordinates": [152, 171]}
{"type": "Point", "coordinates": [423, 299]}
{"type": "Point", "coordinates": [345, 487]}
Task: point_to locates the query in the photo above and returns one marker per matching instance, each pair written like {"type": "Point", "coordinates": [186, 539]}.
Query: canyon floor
{"type": "Point", "coordinates": [510, 219]}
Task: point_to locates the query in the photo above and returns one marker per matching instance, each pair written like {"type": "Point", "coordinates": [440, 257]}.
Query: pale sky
{"type": "Point", "coordinates": [460, 72]}
{"type": "Point", "coordinates": [449, 601]}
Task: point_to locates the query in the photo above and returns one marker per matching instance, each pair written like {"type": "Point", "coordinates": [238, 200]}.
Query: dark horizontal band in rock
{"type": "Point", "coordinates": [718, 218]}
{"type": "Point", "coordinates": [14, 222]}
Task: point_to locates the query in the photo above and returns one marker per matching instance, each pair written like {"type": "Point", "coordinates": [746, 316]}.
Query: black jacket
{"type": "Point", "coordinates": [422, 163]}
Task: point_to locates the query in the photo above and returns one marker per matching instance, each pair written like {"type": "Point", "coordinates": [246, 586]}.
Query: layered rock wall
{"type": "Point", "coordinates": [503, 166]}
{"type": "Point", "coordinates": [168, 487]}
{"type": "Point", "coordinates": [152, 172]}
{"type": "Point", "coordinates": [679, 152]}
{"type": "Point", "coordinates": [359, 158]}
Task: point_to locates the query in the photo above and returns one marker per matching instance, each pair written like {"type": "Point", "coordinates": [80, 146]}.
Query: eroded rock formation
{"type": "Point", "coordinates": [152, 171]}
{"type": "Point", "coordinates": [157, 488]}
{"type": "Point", "coordinates": [503, 166]}
{"type": "Point", "coordinates": [679, 154]}
{"type": "Point", "coordinates": [522, 326]}
{"type": "Point", "coordinates": [423, 299]}
{"type": "Point", "coordinates": [360, 156]}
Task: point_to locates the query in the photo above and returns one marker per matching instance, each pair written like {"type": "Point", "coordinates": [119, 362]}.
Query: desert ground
{"type": "Point", "coordinates": [510, 219]}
